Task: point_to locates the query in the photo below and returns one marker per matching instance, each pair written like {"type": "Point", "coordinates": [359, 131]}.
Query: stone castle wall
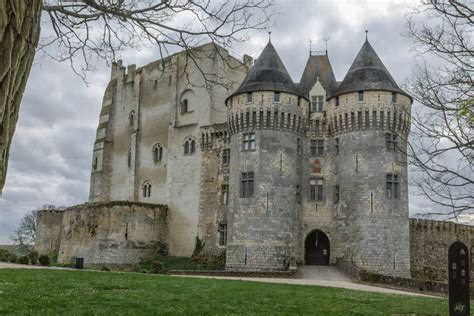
{"type": "Point", "coordinates": [48, 230]}
{"type": "Point", "coordinates": [429, 244]}
{"type": "Point", "coordinates": [102, 233]}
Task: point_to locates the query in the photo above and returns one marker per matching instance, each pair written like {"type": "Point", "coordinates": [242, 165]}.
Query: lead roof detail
{"type": "Point", "coordinates": [268, 74]}
{"type": "Point", "coordinates": [368, 73]}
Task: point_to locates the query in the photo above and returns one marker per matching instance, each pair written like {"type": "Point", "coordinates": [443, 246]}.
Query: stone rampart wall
{"type": "Point", "coordinates": [48, 230]}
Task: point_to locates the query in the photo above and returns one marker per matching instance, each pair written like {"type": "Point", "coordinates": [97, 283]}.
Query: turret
{"type": "Point", "coordinates": [266, 126]}
{"type": "Point", "coordinates": [368, 123]}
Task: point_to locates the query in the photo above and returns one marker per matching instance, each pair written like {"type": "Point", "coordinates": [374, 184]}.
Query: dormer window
{"type": "Point", "coordinates": [249, 97]}
{"type": "Point", "coordinates": [394, 97]}
{"type": "Point", "coordinates": [360, 96]}
{"type": "Point", "coordinates": [276, 97]}
{"type": "Point", "coordinates": [184, 106]}
{"type": "Point", "coordinates": [317, 103]}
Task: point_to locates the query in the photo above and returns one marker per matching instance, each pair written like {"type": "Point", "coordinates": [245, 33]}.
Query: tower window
{"type": "Point", "coordinates": [146, 189]}
{"type": "Point", "coordinates": [391, 141]}
{"type": "Point", "coordinates": [96, 163]}
{"type": "Point", "coordinates": [337, 101]}
{"type": "Point", "coordinates": [316, 189]}
{"type": "Point", "coordinates": [298, 146]}
{"type": "Point", "coordinates": [222, 231]}
{"type": "Point", "coordinates": [248, 142]}
{"type": "Point", "coordinates": [225, 156]}
{"type": "Point", "coordinates": [392, 186]}
{"type": "Point", "coordinates": [247, 184]}
{"type": "Point", "coordinates": [184, 106]}
{"type": "Point", "coordinates": [249, 97]}
{"type": "Point", "coordinates": [394, 97]}
{"type": "Point", "coordinates": [189, 146]}
{"type": "Point", "coordinates": [360, 96]}
{"type": "Point", "coordinates": [336, 194]}
{"type": "Point", "coordinates": [129, 158]}
{"type": "Point", "coordinates": [317, 147]}
{"type": "Point", "coordinates": [336, 146]}
{"type": "Point", "coordinates": [298, 194]}
{"type": "Point", "coordinates": [224, 194]}
{"type": "Point", "coordinates": [276, 96]}
{"type": "Point", "coordinates": [131, 118]}
{"type": "Point", "coordinates": [157, 152]}
{"type": "Point", "coordinates": [317, 103]}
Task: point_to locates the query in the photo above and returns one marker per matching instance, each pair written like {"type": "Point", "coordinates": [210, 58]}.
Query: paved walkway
{"type": "Point", "coordinates": [307, 275]}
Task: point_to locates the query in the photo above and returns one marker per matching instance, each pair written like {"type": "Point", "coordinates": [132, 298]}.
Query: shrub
{"type": "Point", "coordinates": [33, 257]}
{"type": "Point", "coordinates": [23, 260]}
{"type": "Point", "coordinates": [44, 260]}
{"type": "Point", "coordinates": [104, 268]}
{"type": "Point", "coordinates": [4, 255]}
{"type": "Point", "coordinates": [12, 258]}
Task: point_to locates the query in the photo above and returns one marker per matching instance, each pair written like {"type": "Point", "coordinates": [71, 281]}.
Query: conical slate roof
{"type": "Point", "coordinates": [268, 74]}
{"type": "Point", "coordinates": [368, 73]}
{"type": "Point", "coordinates": [318, 66]}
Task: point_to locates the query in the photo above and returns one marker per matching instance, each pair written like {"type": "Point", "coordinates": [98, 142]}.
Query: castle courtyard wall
{"type": "Point", "coordinates": [112, 233]}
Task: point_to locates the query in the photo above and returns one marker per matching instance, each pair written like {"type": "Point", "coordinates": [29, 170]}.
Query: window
{"type": "Point", "coordinates": [224, 194]}
{"type": "Point", "coordinates": [248, 142]}
{"type": "Point", "coordinates": [337, 101]}
{"type": "Point", "coordinates": [394, 97]}
{"type": "Point", "coordinates": [298, 146]}
{"type": "Point", "coordinates": [276, 97]}
{"type": "Point", "coordinates": [225, 156]}
{"type": "Point", "coordinates": [146, 189]}
{"type": "Point", "coordinates": [392, 186]}
{"type": "Point", "coordinates": [222, 230]}
{"type": "Point", "coordinates": [317, 103]}
{"type": "Point", "coordinates": [249, 97]}
{"type": "Point", "coordinates": [96, 163]}
{"type": "Point", "coordinates": [184, 106]}
{"type": "Point", "coordinates": [189, 146]}
{"type": "Point", "coordinates": [298, 194]}
{"type": "Point", "coordinates": [336, 146]}
{"type": "Point", "coordinates": [247, 184]}
{"type": "Point", "coordinates": [360, 96]}
{"type": "Point", "coordinates": [316, 189]}
{"type": "Point", "coordinates": [129, 158]}
{"type": "Point", "coordinates": [317, 147]}
{"type": "Point", "coordinates": [336, 194]}
{"type": "Point", "coordinates": [391, 141]}
{"type": "Point", "coordinates": [157, 153]}
{"type": "Point", "coordinates": [131, 118]}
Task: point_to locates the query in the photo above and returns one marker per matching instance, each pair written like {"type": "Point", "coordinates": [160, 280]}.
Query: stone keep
{"type": "Point", "coordinates": [268, 170]}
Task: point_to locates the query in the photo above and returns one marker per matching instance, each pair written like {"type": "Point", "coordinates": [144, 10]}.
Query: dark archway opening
{"type": "Point", "coordinates": [316, 249]}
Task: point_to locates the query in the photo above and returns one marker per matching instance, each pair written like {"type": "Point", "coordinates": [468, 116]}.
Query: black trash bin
{"type": "Point", "coordinates": [79, 263]}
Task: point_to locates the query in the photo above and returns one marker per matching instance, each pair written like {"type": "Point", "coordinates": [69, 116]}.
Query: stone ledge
{"type": "Point", "coordinates": [254, 274]}
{"type": "Point", "coordinates": [118, 203]}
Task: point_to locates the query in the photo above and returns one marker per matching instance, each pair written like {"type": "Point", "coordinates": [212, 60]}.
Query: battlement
{"type": "Point", "coordinates": [431, 225]}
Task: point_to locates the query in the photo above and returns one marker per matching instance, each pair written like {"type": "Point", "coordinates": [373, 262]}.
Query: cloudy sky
{"type": "Point", "coordinates": [51, 153]}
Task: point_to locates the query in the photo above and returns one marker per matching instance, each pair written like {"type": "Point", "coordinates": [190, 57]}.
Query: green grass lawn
{"type": "Point", "coordinates": [91, 293]}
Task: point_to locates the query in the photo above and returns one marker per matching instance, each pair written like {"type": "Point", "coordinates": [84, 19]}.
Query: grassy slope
{"type": "Point", "coordinates": [88, 292]}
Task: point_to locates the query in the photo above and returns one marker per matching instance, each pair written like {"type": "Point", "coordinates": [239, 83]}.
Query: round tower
{"type": "Point", "coordinates": [266, 126]}
{"type": "Point", "coordinates": [369, 119]}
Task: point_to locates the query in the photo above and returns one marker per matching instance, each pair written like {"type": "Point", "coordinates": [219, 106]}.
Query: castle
{"type": "Point", "coordinates": [249, 162]}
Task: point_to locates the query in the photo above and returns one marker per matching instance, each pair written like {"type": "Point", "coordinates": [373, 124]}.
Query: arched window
{"type": "Point", "coordinates": [184, 106]}
{"type": "Point", "coordinates": [189, 146]}
{"type": "Point", "coordinates": [129, 158]}
{"type": "Point", "coordinates": [131, 118]}
{"type": "Point", "coordinates": [157, 153]}
{"type": "Point", "coordinates": [146, 188]}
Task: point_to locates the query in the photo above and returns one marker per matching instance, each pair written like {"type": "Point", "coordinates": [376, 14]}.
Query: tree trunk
{"type": "Point", "coordinates": [19, 33]}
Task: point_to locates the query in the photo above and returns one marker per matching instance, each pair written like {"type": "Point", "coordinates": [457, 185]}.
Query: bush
{"type": "Point", "coordinates": [33, 257]}
{"type": "Point", "coordinates": [12, 258]}
{"type": "Point", "coordinates": [104, 268]}
{"type": "Point", "coordinates": [23, 260]}
{"type": "Point", "coordinates": [44, 260]}
{"type": "Point", "coordinates": [4, 255]}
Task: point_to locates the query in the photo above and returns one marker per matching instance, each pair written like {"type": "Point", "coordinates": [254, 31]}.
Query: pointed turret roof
{"type": "Point", "coordinates": [268, 74]}
{"type": "Point", "coordinates": [318, 66]}
{"type": "Point", "coordinates": [368, 73]}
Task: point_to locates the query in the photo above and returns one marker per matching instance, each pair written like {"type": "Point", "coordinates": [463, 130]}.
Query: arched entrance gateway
{"type": "Point", "coordinates": [316, 249]}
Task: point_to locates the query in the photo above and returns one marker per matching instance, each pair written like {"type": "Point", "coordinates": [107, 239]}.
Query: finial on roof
{"type": "Point", "coordinates": [326, 39]}
{"type": "Point", "coordinates": [310, 46]}
{"type": "Point", "coordinates": [269, 36]}
{"type": "Point", "coordinates": [366, 35]}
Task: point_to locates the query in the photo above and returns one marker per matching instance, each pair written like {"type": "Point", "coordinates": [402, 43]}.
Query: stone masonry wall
{"type": "Point", "coordinates": [112, 233]}
{"type": "Point", "coordinates": [48, 230]}
{"type": "Point", "coordinates": [429, 244]}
